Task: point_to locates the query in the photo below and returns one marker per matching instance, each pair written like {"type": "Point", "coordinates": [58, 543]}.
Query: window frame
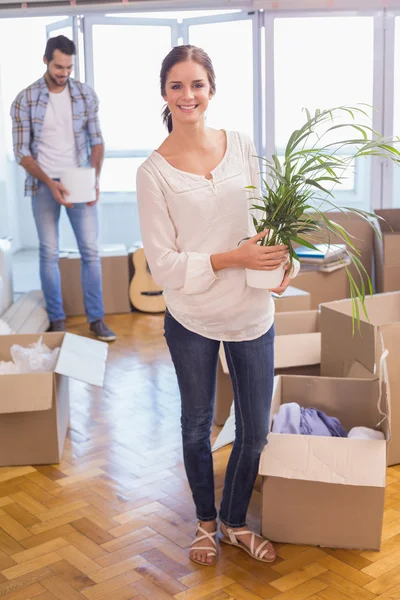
{"type": "Point", "coordinates": [179, 30]}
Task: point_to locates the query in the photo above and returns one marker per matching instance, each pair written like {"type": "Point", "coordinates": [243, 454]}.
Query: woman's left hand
{"type": "Point", "coordinates": [285, 283]}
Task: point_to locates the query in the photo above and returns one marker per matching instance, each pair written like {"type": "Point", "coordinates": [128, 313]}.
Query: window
{"type": "Point", "coordinates": [126, 79]}
{"type": "Point", "coordinates": [233, 105]}
{"type": "Point", "coordinates": [396, 113]}
{"type": "Point", "coordinates": [312, 70]}
{"type": "Point", "coordinates": [20, 69]}
{"type": "Point", "coordinates": [124, 59]}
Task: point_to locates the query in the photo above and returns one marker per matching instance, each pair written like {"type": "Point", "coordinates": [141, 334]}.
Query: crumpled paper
{"type": "Point", "coordinates": [36, 358]}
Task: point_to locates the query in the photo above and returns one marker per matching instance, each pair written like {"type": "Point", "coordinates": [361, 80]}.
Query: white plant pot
{"type": "Point", "coordinates": [80, 182]}
{"type": "Point", "coordinates": [265, 280]}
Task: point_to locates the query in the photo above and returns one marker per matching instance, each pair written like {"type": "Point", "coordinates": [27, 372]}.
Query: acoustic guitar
{"type": "Point", "coordinates": [144, 294]}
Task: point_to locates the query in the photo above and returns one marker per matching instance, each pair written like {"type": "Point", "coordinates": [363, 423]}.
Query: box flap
{"type": "Point", "coordinates": [358, 371]}
{"type": "Point", "coordinates": [390, 221]}
{"type": "Point", "coordinates": [83, 359]}
{"type": "Point", "coordinates": [388, 344]}
{"type": "Point", "coordinates": [297, 350]}
{"type": "Point", "coordinates": [304, 321]}
{"type": "Point", "coordinates": [382, 308]}
{"type": "Point", "coordinates": [356, 462]}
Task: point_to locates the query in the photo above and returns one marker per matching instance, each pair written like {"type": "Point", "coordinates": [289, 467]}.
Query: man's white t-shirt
{"type": "Point", "coordinates": [57, 149]}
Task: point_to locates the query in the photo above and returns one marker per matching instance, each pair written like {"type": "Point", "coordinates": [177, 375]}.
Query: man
{"type": "Point", "coordinates": [56, 126]}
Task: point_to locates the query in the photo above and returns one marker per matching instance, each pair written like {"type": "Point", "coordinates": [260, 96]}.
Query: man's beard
{"type": "Point", "coordinates": [54, 80]}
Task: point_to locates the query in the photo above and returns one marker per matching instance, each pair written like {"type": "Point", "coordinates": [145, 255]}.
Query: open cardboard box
{"type": "Point", "coordinates": [34, 407]}
{"type": "Point", "coordinates": [340, 348]}
{"type": "Point", "coordinates": [297, 350]}
{"type": "Point", "coordinates": [326, 491]}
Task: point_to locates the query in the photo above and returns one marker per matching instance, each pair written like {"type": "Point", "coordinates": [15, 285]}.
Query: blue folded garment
{"type": "Point", "coordinates": [292, 418]}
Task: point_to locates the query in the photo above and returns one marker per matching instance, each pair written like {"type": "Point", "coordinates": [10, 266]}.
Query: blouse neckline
{"type": "Point", "coordinates": [195, 175]}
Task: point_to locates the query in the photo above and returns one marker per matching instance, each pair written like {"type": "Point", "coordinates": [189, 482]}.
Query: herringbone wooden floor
{"type": "Point", "coordinates": [114, 520]}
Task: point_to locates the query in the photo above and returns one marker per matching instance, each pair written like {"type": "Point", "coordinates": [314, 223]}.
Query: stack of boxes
{"type": "Point", "coordinates": [333, 488]}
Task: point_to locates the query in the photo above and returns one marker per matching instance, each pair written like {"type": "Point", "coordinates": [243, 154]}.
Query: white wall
{"type": "Point", "coordinates": [9, 220]}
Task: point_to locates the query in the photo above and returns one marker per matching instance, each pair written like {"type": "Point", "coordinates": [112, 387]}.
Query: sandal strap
{"type": "Point", "coordinates": [259, 553]}
{"type": "Point", "coordinates": [233, 536]}
{"type": "Point", "coordinates": [205, 536]}
{"type": "Point", "coordinates": [211, 550]}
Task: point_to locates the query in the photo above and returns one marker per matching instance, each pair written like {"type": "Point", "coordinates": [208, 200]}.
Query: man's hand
{"type": "Point", "coordinates": [59, 193]}
{"type": "Point", "coordinates": [97, 197]}
{"type": "Point", "coordinates": [285, 283]}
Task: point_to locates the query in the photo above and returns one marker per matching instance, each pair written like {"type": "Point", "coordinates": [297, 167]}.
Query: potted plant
{"type": "Point", "coordinates": [298, 187]}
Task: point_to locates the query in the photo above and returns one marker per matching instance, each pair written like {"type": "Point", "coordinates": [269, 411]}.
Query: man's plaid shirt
{"type": "Point", "coordinates": [28, 111]}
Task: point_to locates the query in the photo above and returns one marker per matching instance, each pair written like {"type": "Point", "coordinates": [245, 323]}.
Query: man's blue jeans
{"type": "Point", "coordinates": [84, 221]}
{"type": "Point", "coordinates": [251, 366]}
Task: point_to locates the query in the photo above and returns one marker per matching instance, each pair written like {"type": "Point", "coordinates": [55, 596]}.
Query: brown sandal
{"type": "Point", "coordinates": [211, 551]}
{"type": "Point", "coordinates": [257, 553]}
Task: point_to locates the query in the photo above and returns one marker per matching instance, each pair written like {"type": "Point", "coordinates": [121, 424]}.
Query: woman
{"type": "Point", "coordinates": [194, 210]}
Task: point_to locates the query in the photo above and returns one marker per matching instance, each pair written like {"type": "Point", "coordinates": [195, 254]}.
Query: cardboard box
{"type": "Point", "coordinates": [34, 407]}
{"type": "Point", "coordinates": [115, 273]}
{"type": "Point", "coordinates": [387, 251]}
{"type": "Point", "coordinates": [293, 299]}
{"type": "Point", "coordinates": [361, 233]}
{"type": "Point", "coordinates": [340, 348]}
{"type": "Point", "coordinates": [6, 279]}
{"type": "Point", "coordinates": [323, 287]}
{"type": "Point", "coordinates": [325, 491]}
{"type": "Point", "coordinates": [297, 340]}
{"type": "Point", "coordinates": [297, 351]}
{"type": "Point", "coordinates": [223, 391]}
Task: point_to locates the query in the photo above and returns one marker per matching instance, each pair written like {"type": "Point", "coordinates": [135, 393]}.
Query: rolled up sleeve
{"type": "Point", "coordinates": [21, 127]}
{"type": "Point", "coordinates": [188, 272]}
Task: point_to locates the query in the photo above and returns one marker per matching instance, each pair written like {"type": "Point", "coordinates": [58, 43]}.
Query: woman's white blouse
{"type": "Point", "coordinates": [184, 218]}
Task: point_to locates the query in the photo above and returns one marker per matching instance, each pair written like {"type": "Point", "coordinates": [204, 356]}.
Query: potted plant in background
{"type": "Point", "coordinates": [298, 187]}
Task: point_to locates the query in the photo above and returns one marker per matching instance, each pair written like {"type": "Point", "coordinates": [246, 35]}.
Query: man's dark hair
{"type": "Point", "coordinates": [61, 43]}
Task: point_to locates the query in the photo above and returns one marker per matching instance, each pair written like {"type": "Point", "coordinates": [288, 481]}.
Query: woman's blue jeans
{"type": "Point", "coordinates": [251, 367]}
